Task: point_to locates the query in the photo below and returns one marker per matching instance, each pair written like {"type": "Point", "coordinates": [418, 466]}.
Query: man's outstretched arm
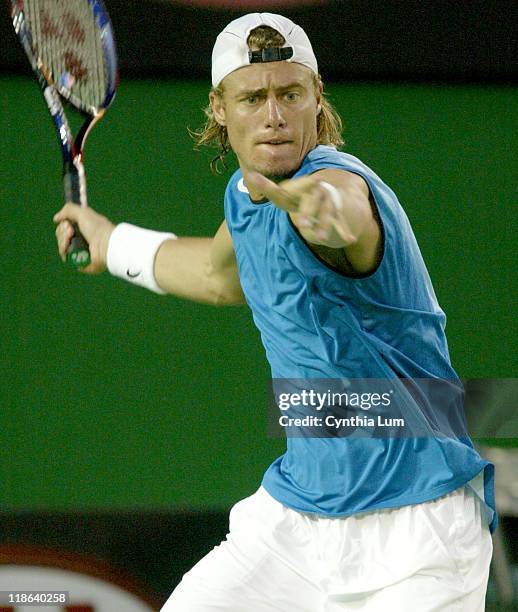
{"type": "Point", "coordinates": [199, 269]}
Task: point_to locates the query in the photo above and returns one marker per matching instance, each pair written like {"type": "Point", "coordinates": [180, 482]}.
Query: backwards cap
{"type": "Point", "coordinates": [231, 50]}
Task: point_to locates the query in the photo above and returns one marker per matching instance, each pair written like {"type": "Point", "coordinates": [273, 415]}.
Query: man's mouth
{"type": "Point", "coordinates": [276, 142]}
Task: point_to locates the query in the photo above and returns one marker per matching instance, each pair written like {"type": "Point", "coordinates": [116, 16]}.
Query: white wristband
{"type": "Point", "coordinates": [131, 254]}
{"type": "Point", "coordinates": [336, 198]}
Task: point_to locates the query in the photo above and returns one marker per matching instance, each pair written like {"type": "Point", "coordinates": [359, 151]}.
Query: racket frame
{"type": "Point", "coordinates": [74, 180]}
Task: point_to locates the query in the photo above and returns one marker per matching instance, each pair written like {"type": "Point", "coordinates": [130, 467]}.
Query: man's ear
{"type": "Point", "coordinates": [218, 107]}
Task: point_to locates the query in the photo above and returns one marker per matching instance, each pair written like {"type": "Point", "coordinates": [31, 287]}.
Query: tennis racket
{"type": "Point", "coordinates": [71, 48]}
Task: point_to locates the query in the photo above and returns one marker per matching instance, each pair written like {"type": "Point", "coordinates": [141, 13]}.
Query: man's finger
{"type": "Point", "coordinates": [70, 212]}
{"type": "Point", "coordinates": [279, 196]}
{"type": "Point", "coordinates": [309, 209]}
{"type": "Point", "coordinates": [300, 185]}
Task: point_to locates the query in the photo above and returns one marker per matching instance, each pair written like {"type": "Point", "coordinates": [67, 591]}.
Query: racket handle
{"type": "Point", "coordinates": [78, 253]}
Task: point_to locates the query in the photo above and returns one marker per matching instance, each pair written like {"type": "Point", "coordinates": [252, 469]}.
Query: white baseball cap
{"type": "Point", "coordinates": [231, 51]}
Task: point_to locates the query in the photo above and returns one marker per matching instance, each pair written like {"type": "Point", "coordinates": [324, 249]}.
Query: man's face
{"type": "Point", "coordinates": [270, 112]}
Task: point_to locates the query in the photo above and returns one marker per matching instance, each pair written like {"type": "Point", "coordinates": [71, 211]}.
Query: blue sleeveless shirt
{"type": "Point", "coordinates": [317, 323]}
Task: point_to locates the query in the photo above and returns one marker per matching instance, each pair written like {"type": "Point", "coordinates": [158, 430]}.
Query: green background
{"type": "Point", "coordinates": [115, 398]}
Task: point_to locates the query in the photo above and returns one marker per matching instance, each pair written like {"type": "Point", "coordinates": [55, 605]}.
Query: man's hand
{"type": "Point", "coordinates": [335, 221]}
{"type": "Point", "coordinates": [95, 228]}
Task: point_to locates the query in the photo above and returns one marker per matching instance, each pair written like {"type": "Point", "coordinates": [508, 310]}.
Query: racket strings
{"type": "Point", "coordinates": [67, 41]}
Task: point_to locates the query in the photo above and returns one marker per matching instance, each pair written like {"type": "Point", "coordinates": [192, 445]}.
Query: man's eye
{"type": "Point", "coordinates": [292, 96]}
{"type": "Point", "coordinates": [251, 99]}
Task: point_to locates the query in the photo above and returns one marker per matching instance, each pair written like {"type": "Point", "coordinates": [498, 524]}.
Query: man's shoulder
{"type": "Point", "coordinates": [237, 197]}
{"type": "Point", "coordinates": [235, 185]}
{"type": "Point", "coordinates": [326, 156]}
{"type": "Point", "coordinates": [237, 175]}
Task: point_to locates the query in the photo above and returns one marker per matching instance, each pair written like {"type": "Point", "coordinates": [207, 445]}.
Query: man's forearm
{"type": "Point", "coordinates": [199, 269]}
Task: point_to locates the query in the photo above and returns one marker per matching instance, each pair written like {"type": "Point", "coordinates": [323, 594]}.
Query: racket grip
{"type": "Point", "coordinates": [78, 253]}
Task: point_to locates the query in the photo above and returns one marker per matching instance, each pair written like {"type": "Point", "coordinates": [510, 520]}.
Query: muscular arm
{"type": "Point", "coordinates": [359, 232]}
{"type": "Point", "coordinates": [352, 227]}
{"type": "Point", "coordinates": [200, 269]}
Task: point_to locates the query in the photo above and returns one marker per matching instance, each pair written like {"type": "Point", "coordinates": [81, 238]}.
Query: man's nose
{"type": "Point", "coordinates": [274, 118]}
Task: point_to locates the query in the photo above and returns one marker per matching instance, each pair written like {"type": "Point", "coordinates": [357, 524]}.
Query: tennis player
{"type": "Point", "coordinates": [321, 250]}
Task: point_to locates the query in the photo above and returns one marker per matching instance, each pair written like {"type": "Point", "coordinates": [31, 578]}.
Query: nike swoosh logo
{"type": "Point", "coordinates": [241, 186]}
{"type": "Point", "coordinates": [131, 275]}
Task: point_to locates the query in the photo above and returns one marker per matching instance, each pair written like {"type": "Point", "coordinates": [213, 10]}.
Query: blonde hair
{"type": "Point", "coordinates": [212, 134]}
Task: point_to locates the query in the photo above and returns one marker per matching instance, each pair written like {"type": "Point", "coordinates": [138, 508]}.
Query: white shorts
{"type": "Point", "coordinates": [430, 557]}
